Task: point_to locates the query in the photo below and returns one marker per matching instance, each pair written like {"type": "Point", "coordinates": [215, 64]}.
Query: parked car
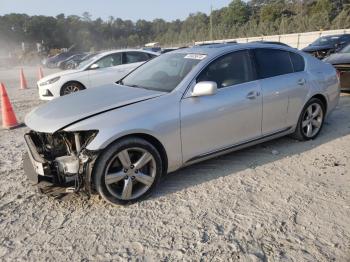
{"type": "Point", "coordinates": [104, 68]}
{"type": "Point", "coordinates": [167, 50]}
{"type": "Point", "coordinates": [215, 43]}
{"type": "Point", "coordinates": [178, 109]}
{"type": "Point", "coordinates": [75, 62]}
{"type": "Point", "coordinates": [271, 43]}
{"type": "Point", "coordinates": [152, 49]}
{"type": "Point", "coordinates": [326, 45]}
{"type": "Point", "coordinates": [341, 61]}
{"type": "Point", "coordinates": [62, 64]}
{"type": "Point", "coordinates": [51, 62]}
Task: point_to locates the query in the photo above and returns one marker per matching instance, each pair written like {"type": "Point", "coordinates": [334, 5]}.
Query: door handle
{"type": "Point", "coordinates": [252, 95]}
{"type": "Point", "coordinates": [301, 82]}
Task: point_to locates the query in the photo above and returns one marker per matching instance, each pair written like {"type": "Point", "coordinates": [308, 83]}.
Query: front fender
{"type": "Point", "coordinates": [157, 117]}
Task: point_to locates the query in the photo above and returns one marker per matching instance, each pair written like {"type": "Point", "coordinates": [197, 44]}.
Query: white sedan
{"type": "Point", "coordinates": [104, 68]}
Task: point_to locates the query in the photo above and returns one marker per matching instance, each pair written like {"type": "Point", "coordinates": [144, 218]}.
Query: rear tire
{"type": "Point", "coordinates": [127, 171]}
{"type": "Point", "coordinates": [70, 88]}
{"type": "Point", "coordinates": [310, 121]}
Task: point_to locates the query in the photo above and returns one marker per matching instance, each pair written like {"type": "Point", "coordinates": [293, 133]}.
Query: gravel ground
{"type": "Point", "coordinates": [280, 201]}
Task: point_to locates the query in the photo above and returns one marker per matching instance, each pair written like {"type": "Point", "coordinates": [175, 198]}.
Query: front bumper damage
{"type": "Point", "coordinates": [59, 164]}
{"type": "Point", "coordinates": [320, 54]}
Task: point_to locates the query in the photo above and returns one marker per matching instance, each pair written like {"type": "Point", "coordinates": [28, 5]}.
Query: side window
{"type": "Point", "coordinates": [272, 62]}
{"type": "Point", "coordinates": [228, 70]}
{"type": "Point", "coordinates": [110, 60]}
{"type": "Point", "coordinates": [134, 57]}
{"type": "Point", "coordinates": [297, 61]}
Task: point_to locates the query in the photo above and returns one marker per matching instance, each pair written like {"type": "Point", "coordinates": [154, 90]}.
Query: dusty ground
{"type": "Point", "coordinates": [279, 201]}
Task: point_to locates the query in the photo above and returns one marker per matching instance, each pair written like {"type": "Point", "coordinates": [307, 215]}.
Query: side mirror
{"type": "Point", "coordinates": [94, 66]}
{"type": "Point", "coordinates": [205, 88]}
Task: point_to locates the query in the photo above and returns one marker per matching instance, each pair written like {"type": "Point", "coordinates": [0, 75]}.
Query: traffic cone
{"type": "Point", "coordinates": [23, 80]}
{"type": "Point", "coordinates": [40, 73]}
{"type": "Point", "coordinates": [9, 120]}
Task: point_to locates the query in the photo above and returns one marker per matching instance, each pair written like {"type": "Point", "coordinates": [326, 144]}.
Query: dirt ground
{"type": "Point", "coordinates": [280, 201]}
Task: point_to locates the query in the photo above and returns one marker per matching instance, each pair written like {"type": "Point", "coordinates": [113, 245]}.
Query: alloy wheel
{"type": "Point", "coordinates": [130, 173]}
{"type": "Point", "coordinates": [70, 89]}
{"type": "Point", "coordinates": [312, 120]}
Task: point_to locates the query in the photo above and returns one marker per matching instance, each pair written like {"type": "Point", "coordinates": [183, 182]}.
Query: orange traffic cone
{"type": "Point", "coordinates": [23, 80]}
{"type": "Point", "coordinates": [40, 73]}
{"type": "Point", "coordinates": [9, 120]}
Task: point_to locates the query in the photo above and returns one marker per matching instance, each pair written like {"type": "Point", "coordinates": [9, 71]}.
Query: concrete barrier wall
{"type": "Point", "coordinates": [299, 41]}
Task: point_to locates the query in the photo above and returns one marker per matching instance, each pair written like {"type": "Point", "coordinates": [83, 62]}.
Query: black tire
{"type": "Point", "coordinates": [105, 162]}
{"type": "Point", "coordinates": [71, 87]}
{"type": "Point", "coordinates": [299, 133]}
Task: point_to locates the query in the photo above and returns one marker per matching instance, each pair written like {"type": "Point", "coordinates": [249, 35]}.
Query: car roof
{"type": "Point", "coordinates": [216, 49]}
{"type": "Point", "coordinates": [109, 52]}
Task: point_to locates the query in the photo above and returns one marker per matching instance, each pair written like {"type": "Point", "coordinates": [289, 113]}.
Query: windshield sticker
{"type": "Point", "coordinates": [195, 56]}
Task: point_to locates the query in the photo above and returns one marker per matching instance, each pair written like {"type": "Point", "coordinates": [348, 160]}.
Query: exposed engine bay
{"type": "Point", "coordinates": [320, 54]}
{"type": "Point", "coordinates": [61, 159]}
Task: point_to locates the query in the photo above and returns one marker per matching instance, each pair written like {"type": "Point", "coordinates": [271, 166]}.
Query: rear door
{"type": "Point", "coordinates": [279, 86]}
{"type": "Point", "coordinates": [231, 116]}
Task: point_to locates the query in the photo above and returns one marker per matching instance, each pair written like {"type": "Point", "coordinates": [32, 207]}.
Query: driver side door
{"type": "Point", "coordinates": [232, 116]}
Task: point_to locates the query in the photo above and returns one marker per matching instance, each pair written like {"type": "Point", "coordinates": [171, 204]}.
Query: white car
{"type": "Point", "coordinates": [104, 68]}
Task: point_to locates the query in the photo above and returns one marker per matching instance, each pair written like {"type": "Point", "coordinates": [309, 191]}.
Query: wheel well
{"type": "Point", "coordinates": [71, 82]}
{"type": "Point", "coordinates": [156, 143]}
{"type": "Point", "coordinates": [323, 100]}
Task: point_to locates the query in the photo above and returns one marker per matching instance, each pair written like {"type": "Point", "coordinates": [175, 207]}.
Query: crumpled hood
{"type": "Point", "coordinates": [338, 58]}
{"type": "Point", "coordinates": [66, 110]}
{"type": "Point", "coordinates": [63, 73]}
{"type": "Point", "coordinates": [312, 48]}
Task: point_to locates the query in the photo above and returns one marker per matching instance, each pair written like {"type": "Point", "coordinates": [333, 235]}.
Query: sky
{"type": "Point", "coordinates": [126, 9]}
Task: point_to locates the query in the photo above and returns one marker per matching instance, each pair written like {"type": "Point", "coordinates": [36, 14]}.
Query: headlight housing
{"type": "Point", "coordinates": [51, 81]}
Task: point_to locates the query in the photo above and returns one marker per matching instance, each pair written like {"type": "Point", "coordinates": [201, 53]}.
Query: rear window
{"type": "Point", "coordinates": [297, 61]}
{"type": "Point", "coordinates": [272, 62]}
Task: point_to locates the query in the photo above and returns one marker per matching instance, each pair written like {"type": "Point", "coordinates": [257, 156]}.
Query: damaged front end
{"type": "Point", "coordinates": [59, 163]}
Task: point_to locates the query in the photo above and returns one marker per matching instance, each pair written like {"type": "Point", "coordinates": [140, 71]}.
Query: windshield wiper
{"type": "Point", "coordinates": [122, 83]}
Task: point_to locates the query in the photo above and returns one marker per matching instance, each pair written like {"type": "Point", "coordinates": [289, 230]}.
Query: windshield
{"type": "Point", "coordinates": [86, 62]}
{"type": "Point", "coordinates": [346, 49]}
{"type": "Point", "coordinates": [163, 73]}
{"type": "Point", "coordinates": [326, 40]}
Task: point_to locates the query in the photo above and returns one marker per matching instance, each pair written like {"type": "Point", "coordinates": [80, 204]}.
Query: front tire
{"type": "Point", "coordinates": [70, 88]}
{"type": "Point", "coordinates": [127, 171]}
{"type": "Point", "coordinates": [311, 120]}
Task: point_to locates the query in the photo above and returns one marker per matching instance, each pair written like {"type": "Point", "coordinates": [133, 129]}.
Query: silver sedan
{"type": "Point", "coordinates": [180, 108]}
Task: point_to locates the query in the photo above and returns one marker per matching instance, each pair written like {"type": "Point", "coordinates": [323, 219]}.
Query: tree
{"type": "Point", "coordinates": [236, 13]}
{"type": "Point", "coordinates": [238, 19]}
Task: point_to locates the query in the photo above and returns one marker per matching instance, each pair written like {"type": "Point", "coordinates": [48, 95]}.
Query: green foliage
{"type": "Point", "coordinates": [238, 19]}
{"type": "Point", "coordinates": [237, 13]}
